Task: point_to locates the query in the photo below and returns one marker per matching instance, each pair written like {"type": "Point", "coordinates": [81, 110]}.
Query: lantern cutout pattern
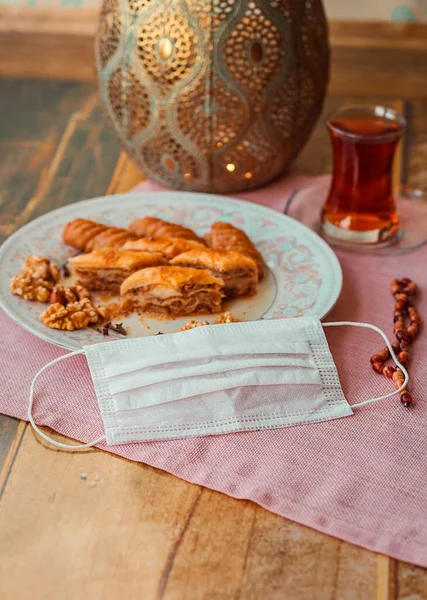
{"type": "Point", "coordinates": [212, 95]}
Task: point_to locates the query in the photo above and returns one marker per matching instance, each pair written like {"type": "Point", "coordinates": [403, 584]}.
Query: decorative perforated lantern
{"type": "Point", "coordinates": [212, 95]}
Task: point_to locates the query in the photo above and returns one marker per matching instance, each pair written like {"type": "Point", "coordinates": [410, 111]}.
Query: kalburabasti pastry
{"type": "Point", "coordinates": [169, 247]}
{"type": "Point", "coordinates": [87, 235]}
{"type": "Point", "coordinates": [223, 236]}
{"type": "Point", "coordinates": [156, 228]}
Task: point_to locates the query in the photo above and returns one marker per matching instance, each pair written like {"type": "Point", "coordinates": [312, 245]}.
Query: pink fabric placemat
{"type": "Point", "coordinates": [362, 479]}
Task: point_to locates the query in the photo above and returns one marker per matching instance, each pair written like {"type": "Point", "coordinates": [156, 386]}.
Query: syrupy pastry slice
{"type": "Point", "coordinates": [105, 269]}
{"type": "Point", "coordinates": [173, 291]}
{"type": "Point", "coordinates": [157, 228]}
{"type": "Point", "coordinates": [223, 236]}
{"type": "Point", "coordinates": [169, 247]}
{"type": "Point", "coordinates": [86, 235]}
{"type": "Point", "coordinates": [238, 272]}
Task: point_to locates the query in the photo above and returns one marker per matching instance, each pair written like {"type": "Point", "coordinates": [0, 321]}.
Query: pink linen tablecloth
{"type": "Point", "coordinates": [362, 479]}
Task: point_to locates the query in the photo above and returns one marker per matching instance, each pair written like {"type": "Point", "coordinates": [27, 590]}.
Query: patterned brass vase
{"type": "Point", "coordinates": [212, 95]}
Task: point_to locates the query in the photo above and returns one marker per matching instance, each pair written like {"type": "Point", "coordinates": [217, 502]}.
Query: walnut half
{"type": "Point", "coordinates": [76, 315]}
{"type": "Point", "coordinates": [68, 294]}
{"type": "Point", "coordinates": [30, 289]}
{"type": "Point", "coordinates": [37, 280]}
{"type": "Point", "coordinates": [40, 267]}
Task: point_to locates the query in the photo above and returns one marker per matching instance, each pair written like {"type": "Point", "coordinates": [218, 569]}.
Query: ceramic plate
{"type": "Point", "coordinates": [304, 277]}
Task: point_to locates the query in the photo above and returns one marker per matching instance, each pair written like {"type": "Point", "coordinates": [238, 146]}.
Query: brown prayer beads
{"type": "Point", "coordinates": [403, 291]}
{"type": "Point", "coordinates": [380, 356]}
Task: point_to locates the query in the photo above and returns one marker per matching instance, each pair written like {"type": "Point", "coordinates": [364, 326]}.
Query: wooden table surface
{"type": "Point", "coordinates": [130, 531]}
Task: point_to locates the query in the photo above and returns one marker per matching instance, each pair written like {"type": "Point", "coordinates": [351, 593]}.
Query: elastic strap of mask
{"type": "Point", "coordinates": [392, 354]}
{"type": "Point", "coordinates": [30, 408]}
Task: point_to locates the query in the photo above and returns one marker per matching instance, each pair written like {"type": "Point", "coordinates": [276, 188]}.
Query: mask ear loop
{"type": "Point", "coordinates": [392, 354]}
{"type": "Point", "coordinates": [30, 408]}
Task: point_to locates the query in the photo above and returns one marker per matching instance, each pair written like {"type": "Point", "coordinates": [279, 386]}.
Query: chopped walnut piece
{"type": "Point", "coordinates": [30, 289]}
{"type": "Point", "coordinates": [103, 312]}
{"type": "Point", "coordinates": [227, 317]}
{"type": "Point", "coordinates": [112, 309]}
{"type": "Point", "coordinates": [192, 325]}
{"type": "Point", "coordinates": [40, 267]}
{"type": "Point", "coordinates": [75, 315]}
{"type": "Point", "coordinates": [37, 280]}
{"type": "Point", "coordinates": [68, 294]}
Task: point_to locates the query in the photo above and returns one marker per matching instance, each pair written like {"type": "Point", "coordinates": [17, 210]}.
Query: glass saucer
{"type": "Point", "coordinates": [411, 206]}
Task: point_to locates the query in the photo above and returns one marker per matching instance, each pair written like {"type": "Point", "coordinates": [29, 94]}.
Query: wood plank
{"type": "Point", "coordinates": [386, 578]}
{"type": "Point", "coordinates": [54, 135]}
{"type": "Point", "coordinates": [237, 550]}
{"type": "Point", "coordinates": [11, 434]}
{"type": "Point", "coordinates": [62, 21]}
{"type": "Point", "coordinates": [362, 71]}
{"type": "Point", "coordinates": [131, 176]}
{"type": "Point", "coordinates": [412, 582]}
{"type": "Point", "coordinates": [378, 34]}
{"type": "Point", "coordinates": [133, 531]}
{"type": "Point", "coordinates": [342, 33]}
{"type": "Point", "coordinates": [117, 173]}
{"type": "Point", "coordinates": [37, 115]}
{"type": "Point", "coordinates": [112, 532]}
{"type": "Point", "coordinates": [417, 151]}
{"type": "Point", "coordinates": [399, 173]}
{"type": "Point", "coordinates": [49, 44]}
{"type": "Point", "coordinates": [126, 176]}
{"type": "Point", "coordinates": [83, 163]}
{"type": "Point", "coordinates": [58, 56]}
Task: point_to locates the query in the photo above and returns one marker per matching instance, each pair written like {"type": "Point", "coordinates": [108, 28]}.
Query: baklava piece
{"type": "Point", "coordinates": [62, 294]}
{"type": "Point", "coordinates": [238, 272]}
{"type": "Point", "coordinates": [223, 236]}
{"type": "Point", "coordinates": [85, 235]}
{"type": "Point", "coordinates": [106, 269]}
{"type": "Point", "coordinates": [169, 247]}
{"type": "Point", "coordinates": [173, 291]}
{"type": "Point", "coordinates": [157, 228]}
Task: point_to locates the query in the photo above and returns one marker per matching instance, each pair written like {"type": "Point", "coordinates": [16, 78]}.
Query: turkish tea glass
{"type": "Point", "coordinates": [360, 207]}
{"type": "Point", "coordinates": [367, 209]}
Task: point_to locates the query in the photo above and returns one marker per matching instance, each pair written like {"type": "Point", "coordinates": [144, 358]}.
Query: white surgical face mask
{"type": "Point", "coordinates": [216, 379]}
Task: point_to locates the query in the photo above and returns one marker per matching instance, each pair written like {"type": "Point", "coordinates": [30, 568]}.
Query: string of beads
{"type": "Point", "coordinates": [404, 291]}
